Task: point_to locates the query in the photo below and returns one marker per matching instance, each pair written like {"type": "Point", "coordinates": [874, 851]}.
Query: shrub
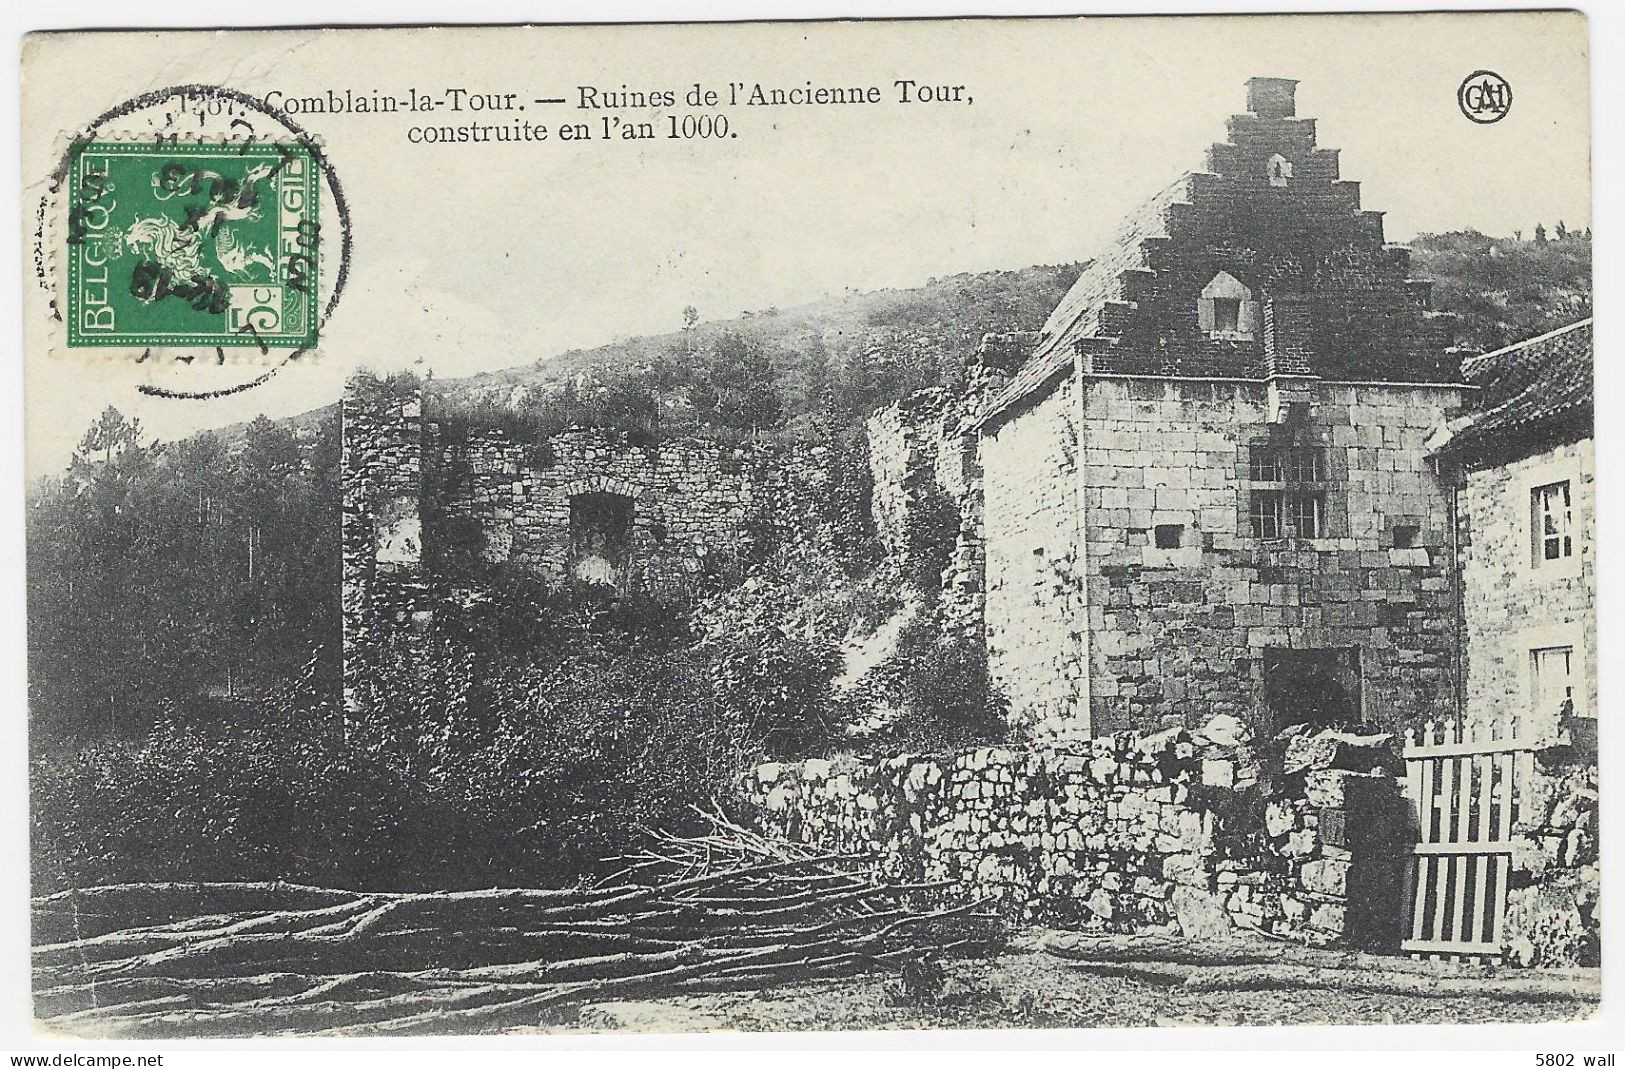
{"type": "Point", "coordinates": [939, 680]}
{"type": "Point", "coordinates": [529, 737]}
{"type": "Point", "coordinates": [780, 688]}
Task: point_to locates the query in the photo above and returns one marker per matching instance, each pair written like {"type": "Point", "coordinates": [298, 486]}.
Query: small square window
{"type": "Point", "coordinates": [1169, 535]}
{"type": "Point", "coordinates": [1226, 315]}
{"type": "Point", "coordinates": [1552, 522]}
{"type": "Point", "coordinates": [1405, 535]}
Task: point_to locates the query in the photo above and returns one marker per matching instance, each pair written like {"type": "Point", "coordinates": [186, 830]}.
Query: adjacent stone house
{"type": "Point", "coordinates": [1522, 466]}
{"type": "Point", "coordinates": [1205, 489]}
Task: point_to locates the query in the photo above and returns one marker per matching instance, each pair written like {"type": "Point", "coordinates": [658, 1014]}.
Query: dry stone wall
{"type": "Point", "coordinates": [1552, 908]}
{"type": "Point", "coordinates": [1173, 831]}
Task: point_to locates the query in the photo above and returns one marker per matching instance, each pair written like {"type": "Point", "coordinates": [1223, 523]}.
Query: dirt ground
{"type": "Point", "coordinates": [1050, 979]}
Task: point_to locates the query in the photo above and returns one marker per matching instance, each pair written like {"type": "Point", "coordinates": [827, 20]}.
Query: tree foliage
{"type": "Point", "coordinates": [1505, 290]}
{"type": "Point", "coordinates": [166, 571]}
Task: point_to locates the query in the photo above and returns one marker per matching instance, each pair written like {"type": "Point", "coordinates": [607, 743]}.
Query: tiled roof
{"type": "Point", "coordinates": [1532, 395]}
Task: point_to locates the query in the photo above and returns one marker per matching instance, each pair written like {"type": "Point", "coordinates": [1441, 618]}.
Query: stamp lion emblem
{"type": "Point", "coordinates": [186, 244]}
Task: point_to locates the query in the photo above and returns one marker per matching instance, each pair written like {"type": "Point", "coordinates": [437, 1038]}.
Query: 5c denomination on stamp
{"type": "Point", "coordinates": [173, 243]}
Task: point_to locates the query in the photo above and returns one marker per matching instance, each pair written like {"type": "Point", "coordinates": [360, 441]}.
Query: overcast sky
{"type": "Point", "coordinates": [475, 257]}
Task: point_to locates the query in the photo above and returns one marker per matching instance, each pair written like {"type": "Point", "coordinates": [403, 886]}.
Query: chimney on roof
{"type": "Point", "coordinates": [1272, 98]}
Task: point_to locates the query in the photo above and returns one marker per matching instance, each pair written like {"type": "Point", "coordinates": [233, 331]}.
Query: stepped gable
{"type": "Point", "coordinates": [1325, 295]}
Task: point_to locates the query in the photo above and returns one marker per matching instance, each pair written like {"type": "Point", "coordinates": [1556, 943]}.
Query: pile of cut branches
{"type": "Point", "coordinates": [725, 909]}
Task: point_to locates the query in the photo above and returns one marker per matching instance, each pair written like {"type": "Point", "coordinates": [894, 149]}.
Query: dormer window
{"type": "Point", "coordinates": [1280, 170]}
{"type": "Point", "coordinates": [1226, 310]}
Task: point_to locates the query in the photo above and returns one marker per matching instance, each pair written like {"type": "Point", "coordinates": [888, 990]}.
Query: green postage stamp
{"type": "Point", "coordinates": [192, 244]}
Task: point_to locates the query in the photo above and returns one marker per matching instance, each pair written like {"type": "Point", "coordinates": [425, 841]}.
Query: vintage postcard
{"type": "Point", "coordinates": [1000, 523]}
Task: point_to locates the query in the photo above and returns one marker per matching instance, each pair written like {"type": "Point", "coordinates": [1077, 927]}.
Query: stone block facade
{"type": "Point", "coordinates": [1170, 832]}
{"type": "Point", "coordinates": [1553, 916]}
{"type": "Point", "coordinates": [383, 584]}
{"type": "Point", "coordinates": [1126, 503]}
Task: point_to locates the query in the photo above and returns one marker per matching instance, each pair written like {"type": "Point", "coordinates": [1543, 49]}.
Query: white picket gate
{"type": "Point", "coordinates": [1465, 788]}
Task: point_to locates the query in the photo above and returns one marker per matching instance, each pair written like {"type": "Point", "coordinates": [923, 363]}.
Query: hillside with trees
{"type": "Point", "coordinates": [803, 372]}
{"type": "Point", "coordinates": [1506, 290]}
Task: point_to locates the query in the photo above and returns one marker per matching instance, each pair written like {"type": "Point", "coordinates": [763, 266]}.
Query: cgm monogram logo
{"type": "Point", "coordinates": [1485, 97]}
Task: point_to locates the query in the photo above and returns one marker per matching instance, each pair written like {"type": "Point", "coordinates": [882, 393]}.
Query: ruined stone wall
{"type": "Point", "coordinates": [422, 505]}
{"type": "Point", "coordinates": [1183, 631]}
{"type": "Point", "coordinates": [795, 489]}
{"type": "Point", "coordinates": [926, 473]}
{"type": "Point", "coordinates": [691, 500]}
{"type": "Point", "coordinates": [1036, 606]}
{"type": "Point", "coordinates": [381, 532]}
{"type": "Point", "coordinates": [1512, 603]}
{"type": "Point", "coordinates": [1124, 832]}
{"type": "Point", "coordinates": [905, 439]}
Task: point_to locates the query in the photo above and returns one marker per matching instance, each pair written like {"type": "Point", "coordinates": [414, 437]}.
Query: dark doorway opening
{"type": "Point", "coordinates": [600, 536]}
{"type": "Point", "coordinates": [1320, 688]}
